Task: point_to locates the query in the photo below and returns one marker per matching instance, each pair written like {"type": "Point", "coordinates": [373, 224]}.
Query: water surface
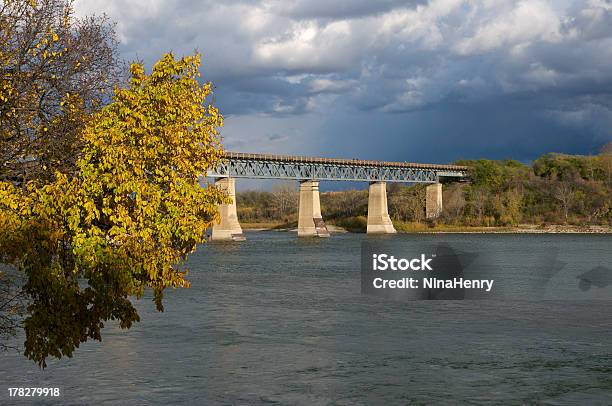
{"type": "Point", "coordinates": [281, 320]}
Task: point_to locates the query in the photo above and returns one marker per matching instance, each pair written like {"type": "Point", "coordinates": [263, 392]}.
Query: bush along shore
{"type": "Point", "coordinates": [556, 193]}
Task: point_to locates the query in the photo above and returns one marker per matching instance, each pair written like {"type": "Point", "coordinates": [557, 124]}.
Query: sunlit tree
{"type": "Point", "coordinates": [126, 219]}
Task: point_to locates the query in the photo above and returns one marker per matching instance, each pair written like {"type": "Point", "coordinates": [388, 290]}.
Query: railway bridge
{"type": "Point", "coordinates": [309, 171]}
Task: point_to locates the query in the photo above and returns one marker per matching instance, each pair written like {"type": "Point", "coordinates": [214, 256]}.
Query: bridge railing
{"type": "Point", "coordinates": [338, 161]}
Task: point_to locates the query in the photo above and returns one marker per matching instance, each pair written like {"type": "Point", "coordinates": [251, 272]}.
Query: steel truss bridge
{"type": "Point", "coordinates": [265, 166]}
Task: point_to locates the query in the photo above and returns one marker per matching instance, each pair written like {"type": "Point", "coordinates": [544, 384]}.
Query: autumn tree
{"type": "Point", "coordinates": [354, 202]}
{"type": "Point", "coordinates": [454, 200]}
{"type": "Point", "coordinates": [564, 193]}
{"type": "Point", "coordinates": [55, 70]}
{"type": "Point", "coordinates": [285, 199]}
{"type": "Point", "coordinates": [125, 220]}
{"type": "Point", "coordinates": [606, 159]}
{"type": "Point", "coordinates": [346, 203]}
{"type": "Point", "coordinates": [407, 203]}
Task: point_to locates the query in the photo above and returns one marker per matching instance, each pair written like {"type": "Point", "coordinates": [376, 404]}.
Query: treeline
{"type": "Point", "coordinates": [554, 189]}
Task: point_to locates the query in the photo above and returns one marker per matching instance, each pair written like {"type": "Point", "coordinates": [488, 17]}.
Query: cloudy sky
{"type": "Point", "coordinates": [427, 81]}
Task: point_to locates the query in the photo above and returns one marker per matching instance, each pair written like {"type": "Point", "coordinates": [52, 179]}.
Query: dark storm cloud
{"type": "Point", "coordinates": [473, 78]}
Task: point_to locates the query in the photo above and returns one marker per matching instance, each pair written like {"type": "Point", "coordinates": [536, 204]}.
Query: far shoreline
{"type": "Point", "coordinates": [402, 228]}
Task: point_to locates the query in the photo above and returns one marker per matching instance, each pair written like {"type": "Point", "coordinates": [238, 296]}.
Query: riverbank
{"type": "Point", "coordinates": [444, 228]}
{"type": "Point", "coordinates": [271, 226]}
{"type": "Point", "coordinates": [519, 229]}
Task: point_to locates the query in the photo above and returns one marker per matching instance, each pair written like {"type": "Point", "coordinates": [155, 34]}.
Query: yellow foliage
{"type": "Point", "coordinates": [129, 217]}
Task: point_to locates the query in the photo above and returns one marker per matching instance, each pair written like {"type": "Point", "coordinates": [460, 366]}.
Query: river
{"type": "Point", "coordinates": [277, 320]}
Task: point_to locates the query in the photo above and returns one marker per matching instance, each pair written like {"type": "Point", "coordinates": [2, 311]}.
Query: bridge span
{"type": "Point", "coordinates": [310, 170]}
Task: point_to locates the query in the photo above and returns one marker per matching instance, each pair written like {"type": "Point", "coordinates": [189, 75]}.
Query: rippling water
{"type": "Point", "coordinates": [281, 320]}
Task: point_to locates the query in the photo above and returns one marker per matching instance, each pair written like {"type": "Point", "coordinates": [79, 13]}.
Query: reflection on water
{"type": "Point", "coordinates": [277, 319]}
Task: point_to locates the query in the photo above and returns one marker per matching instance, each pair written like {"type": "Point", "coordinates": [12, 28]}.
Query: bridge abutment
{"type": "Point", "coordinates": [228, 229]}
{"type": "Point", "coordinates": [433, 201]}
{"type": "Point", "coordinates": [310, 221]}
{"type": "Point", "coordinates": [379, 221]}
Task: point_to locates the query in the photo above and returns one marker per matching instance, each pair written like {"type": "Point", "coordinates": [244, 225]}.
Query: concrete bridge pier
{"type": "Point", "coordinates": [310, 221]}
{"type": "Point", "coordinates": [228, 228]}
{"type": "Point", "coordinates": [433, 200]}
{"type": "Point", "coordinates": [379, 221]}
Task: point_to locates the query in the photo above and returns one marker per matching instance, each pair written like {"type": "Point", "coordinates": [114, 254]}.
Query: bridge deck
{"type": "Point", "coordinates": [339, 161]}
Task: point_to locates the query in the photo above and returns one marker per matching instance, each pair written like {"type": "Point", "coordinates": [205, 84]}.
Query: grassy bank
{"type": "Point", "coordinates": [359, 225]}
{"type": "Point", "coordinates": [264, 225]}
{"type": "Point", "coordinates": [412, 227]}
